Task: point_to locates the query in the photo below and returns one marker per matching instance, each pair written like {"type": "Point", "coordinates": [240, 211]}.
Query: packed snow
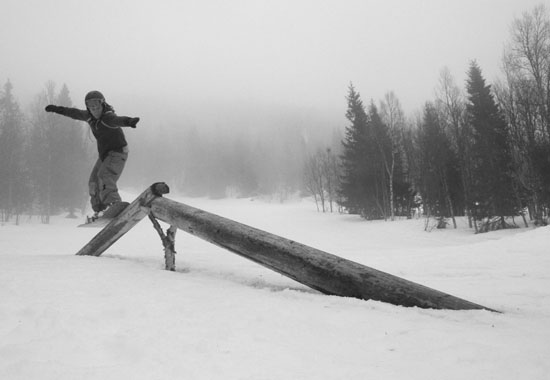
{"type": "Point", "coordinates": [220, 316]}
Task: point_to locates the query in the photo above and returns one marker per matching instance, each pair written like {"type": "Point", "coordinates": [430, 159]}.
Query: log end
{"type": "Point", "coordinates": [159, 189]}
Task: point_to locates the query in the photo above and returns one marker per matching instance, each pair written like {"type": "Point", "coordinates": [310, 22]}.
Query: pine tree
{"type": "Point", "coordinates": [14, 183]}
{"type": "Point", "coordinates": [382, 163]}
{"type": "Point", "coordinates": [364, 182]}
{"type": "Point", "coordinates": [60, 157]}
{"type": "Point", "coordinates": [492, 168]}
{"type": "Point", "coordinates": [39, 157]}
{"type": "Point", "coordinates": [70, 160]}
{"type": "Point", "coordinates": [439, 168]}
{"type": "Point", "coordinates": [353, 192]}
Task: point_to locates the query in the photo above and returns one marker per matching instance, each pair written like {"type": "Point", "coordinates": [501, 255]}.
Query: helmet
{"type": "Point", "coordinates": [94, 95]}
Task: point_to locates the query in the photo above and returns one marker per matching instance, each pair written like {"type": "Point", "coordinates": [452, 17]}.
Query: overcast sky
{"type": "Point", "coordinates": [283, 52]}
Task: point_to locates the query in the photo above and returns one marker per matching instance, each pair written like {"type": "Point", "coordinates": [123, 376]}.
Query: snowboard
{"type": "Point", "coordinates": [111, 213]}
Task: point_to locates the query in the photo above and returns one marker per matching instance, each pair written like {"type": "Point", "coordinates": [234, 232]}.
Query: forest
{"type": "Point", "coordinates": [480, 150]}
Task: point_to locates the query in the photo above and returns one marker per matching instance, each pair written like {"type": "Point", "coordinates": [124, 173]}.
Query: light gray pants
{"type": "Point", "coordinates": [102, 184]}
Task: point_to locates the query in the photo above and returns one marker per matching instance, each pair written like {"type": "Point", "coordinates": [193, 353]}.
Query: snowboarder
{"type": "Point", "coordinates": [112, 148]}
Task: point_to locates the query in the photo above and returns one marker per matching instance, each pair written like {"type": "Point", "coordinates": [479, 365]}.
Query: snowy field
{"type": "Point", "coordinates": [121, 316]}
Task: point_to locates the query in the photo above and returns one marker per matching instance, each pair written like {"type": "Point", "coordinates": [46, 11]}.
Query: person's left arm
{"type": "Point", "coordinates": [114, 121]}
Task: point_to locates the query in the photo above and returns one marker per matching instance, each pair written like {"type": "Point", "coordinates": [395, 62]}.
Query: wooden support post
{"type": "Point", "coordinates": [170, 249]}
{"type": "Point", "coordinates": [168, 242]}
{"type": "Point", "coordinates": [319, 270]}
{"type": "Point", "coordinates": [134, 213]}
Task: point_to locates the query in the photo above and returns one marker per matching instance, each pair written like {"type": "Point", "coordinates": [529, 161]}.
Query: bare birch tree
{"type": "Point", "coordinates": [392, 115]}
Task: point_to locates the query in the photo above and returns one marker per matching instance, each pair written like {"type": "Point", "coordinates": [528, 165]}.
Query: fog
{"type": "Point", "coordinates": [247, 67]}
{"type": "Point", "coordinates": [166, 54]}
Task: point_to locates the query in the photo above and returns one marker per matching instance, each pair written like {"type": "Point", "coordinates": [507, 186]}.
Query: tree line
{"type": "Point", "coordinates": [45, 159]}
{"type": "Point", "coordinates": [483, 152]}
{"type": "Point", "coordinates": [42, 158]}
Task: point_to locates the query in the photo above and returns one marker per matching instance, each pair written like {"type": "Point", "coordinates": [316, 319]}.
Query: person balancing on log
{"type": "Point", "coordinates": [112, 148]}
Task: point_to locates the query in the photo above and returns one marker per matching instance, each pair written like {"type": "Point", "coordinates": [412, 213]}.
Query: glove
{"type": "Point", "coordinates": [52, 108]}
{"type": "Point", "coordinates": [133, 121]}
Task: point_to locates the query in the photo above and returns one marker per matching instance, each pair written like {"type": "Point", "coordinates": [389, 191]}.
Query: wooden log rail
{"type": "Point", "coordinates": [317, 269]}
{"type": "Point", "coordinates": [124, 222]}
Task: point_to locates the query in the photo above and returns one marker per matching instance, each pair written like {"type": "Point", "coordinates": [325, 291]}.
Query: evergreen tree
{"type": "Point", "coordinates": [407, 189]}
{"type": "Point", "coordinates": [366, 146]}
{"type": "Point", "coordinates": [353, 190]}
{"type": "Point", "coordinates": [439, 177]}
{"type": "Point", "coordinates": [60, 160]}
{"type": "Point", "coordinates": [70, 160]}
{"type": "Point", "coordinates": [382, 164]}
{"type": "Point", "coordinates": [40, 167]}
{"type": "Point", "coordinates": [14, 182]}
{"type": "Point", "coordinates": [492, 169]}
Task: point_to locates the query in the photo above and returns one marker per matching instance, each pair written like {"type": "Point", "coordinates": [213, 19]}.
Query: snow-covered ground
{"type": "Point", "coordinates": [121, 316]}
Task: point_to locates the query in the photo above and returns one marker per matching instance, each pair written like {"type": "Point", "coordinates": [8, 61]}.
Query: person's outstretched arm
{"type": "Point", "coordinates": [73, 113]}
{"type": "Point", "coordinates": [112, 120]}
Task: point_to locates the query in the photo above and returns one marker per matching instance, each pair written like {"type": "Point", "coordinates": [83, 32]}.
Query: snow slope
{"type": "Point", "coordinates": [121, 316]}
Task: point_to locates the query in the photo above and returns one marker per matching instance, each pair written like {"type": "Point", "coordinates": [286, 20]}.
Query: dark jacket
{"type": "Point", "coordinates": [106, 129]}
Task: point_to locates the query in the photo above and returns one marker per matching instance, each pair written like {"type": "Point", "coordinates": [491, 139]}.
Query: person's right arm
{"type": "Point", "coordinates": [73, 113]}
